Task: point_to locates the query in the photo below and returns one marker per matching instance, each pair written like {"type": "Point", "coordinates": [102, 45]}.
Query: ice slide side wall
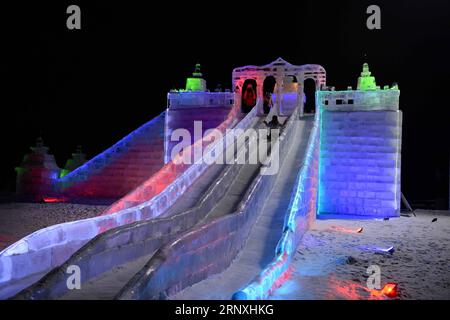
{"type": "Point", "coordinates": [209, 249]}
{"type": "Point", "coordinates": [26, 261]}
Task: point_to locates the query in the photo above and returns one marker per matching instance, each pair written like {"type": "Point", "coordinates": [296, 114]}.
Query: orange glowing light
{"type": "Point", "coordinates": [390, 290]}
{"type": "Point", "coordinates": [53, 199]}
{"type": "Point", "coordinates": [349, 290]}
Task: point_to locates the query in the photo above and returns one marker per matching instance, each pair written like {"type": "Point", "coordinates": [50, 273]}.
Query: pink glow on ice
{"type": "Point", "coordinates": [346, 230]}
{"type": "Point", "coordinates": [168, 173]}
{"type": "Point", "coordinates": [349, 290]}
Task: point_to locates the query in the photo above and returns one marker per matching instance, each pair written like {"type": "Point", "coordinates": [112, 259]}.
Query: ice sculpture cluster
{"type": "Point", "coordinates": [351, 169]}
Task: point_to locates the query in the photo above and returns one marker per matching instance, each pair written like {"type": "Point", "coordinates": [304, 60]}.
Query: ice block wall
{"type": "Point", "coordinates": [360, 154]}
{"type": "Point", "coordinates": [208, 109]}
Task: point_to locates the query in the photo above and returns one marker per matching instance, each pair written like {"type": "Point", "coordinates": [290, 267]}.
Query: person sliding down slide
{"type": "Point", "coordinates": [272, 124]}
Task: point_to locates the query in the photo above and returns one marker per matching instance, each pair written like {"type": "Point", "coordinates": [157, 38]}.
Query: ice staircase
{"type": "Point", "coordinates": [48, 248]}
{"type": "Point", "coordinates": [121, 168]}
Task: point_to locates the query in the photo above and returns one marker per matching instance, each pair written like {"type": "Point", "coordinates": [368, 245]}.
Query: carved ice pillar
{"type": "Point", "coordinates": [260, 95]}
{"type": "Point", "coordinates": [238, 95]}
{"type": "Point", "coordinates": [300, 104]}
{"type": "Point", "coordinates": [279, 86]}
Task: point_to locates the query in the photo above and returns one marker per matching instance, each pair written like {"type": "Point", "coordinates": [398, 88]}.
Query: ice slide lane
{"type": "Point", "coordinates": [108, 284]}
{"type": "Point", "coordinates": [259, 249]}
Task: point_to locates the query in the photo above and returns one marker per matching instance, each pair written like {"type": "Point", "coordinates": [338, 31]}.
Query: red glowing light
{"type": "Point", "coordinates": [350, 290]}
{"type": "Point", "coordinates": [390, 290]}
{"type": "Point", "coordinates": [53, 199]}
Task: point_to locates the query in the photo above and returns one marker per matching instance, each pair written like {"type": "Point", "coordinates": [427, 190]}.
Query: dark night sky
{"type": "Point", "coordinates": [93, 86]}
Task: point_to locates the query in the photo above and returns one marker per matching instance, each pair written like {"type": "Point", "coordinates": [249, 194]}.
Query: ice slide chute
{"type": "Point", "coordinates": [211, 247]}
{"type": "Point", "coordinates": [299, 215]}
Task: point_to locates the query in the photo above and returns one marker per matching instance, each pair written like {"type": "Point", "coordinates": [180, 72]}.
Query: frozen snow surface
{"type": "Point", "coordinates": [332, 260]}
{"type": "Point", "coordinates": [18, 220]}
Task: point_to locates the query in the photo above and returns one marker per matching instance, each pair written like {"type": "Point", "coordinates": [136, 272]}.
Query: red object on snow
{"type": "Point", "coordinates": [390, 290]}
{"type": "Point", "coordinates": [53, 199]}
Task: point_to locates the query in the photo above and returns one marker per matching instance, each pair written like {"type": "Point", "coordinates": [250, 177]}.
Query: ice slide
{"type": "Point", "coordinates": [128, 248]}
{"type": "Point", "coordinates": [48, 248]}
{"type": "Point", "coordinates": [211, 247]}
{"type": "Point", "coordinates": [260, 247]}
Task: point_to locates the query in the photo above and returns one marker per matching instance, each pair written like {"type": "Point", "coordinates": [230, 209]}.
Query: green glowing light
{"type": "Point", "coordinates": [63, 172]}
{"type": "Point", "coordinates": [366, 81]}
{"type": "Point", "coordinates": [196, 83]}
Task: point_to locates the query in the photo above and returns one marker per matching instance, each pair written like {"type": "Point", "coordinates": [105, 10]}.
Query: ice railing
{"type": "Point", "coordinates": [48, 248]}
{"type": "Point", "coordinates": [275, 272]}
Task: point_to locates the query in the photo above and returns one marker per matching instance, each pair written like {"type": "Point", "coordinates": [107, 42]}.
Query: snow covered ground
{"type": "Point", "coordinates": [330, 263]}
{"type": "Point", "coordinates": [332, 260]}
{"type": "Point", "coordinates": [18, 220]}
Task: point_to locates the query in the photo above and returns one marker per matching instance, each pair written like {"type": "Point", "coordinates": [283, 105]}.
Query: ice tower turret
{"type": "Point", "coordinates": [196, 83]}
{"type": "Point", "coordinates": [77, 160]}
{"type": "Point", "coordinates": [366, 81]}
{"type": "Point", "coordinates": [194, 104]}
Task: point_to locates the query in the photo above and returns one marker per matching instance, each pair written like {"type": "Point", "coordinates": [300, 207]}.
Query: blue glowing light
{"type": "Point", "coordinates": [382, 250]}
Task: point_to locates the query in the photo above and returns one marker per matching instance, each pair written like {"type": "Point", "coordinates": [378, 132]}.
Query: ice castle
{"type": "Point", "coordinates": [188, 222]}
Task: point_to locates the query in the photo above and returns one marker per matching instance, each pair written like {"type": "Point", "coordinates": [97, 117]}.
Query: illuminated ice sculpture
{"type": "Point", "coordinates": [360, 150]}
{"type": "Point", "coordinates": [289, 83]}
